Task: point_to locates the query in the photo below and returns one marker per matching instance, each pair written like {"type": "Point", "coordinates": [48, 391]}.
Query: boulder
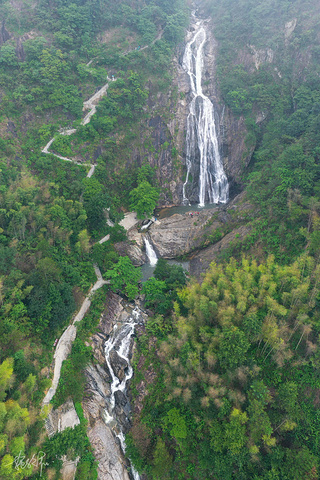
{"type": "Point", "coordinates": [118, 364]}
{"type": "Point", "coordinates": [133, 251]}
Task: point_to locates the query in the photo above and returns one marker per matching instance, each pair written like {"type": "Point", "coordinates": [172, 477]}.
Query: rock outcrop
{"type": "Point", "coordinates": [133, 251]}
{"type": "Point", "coordinates": [181, 234]}
{"type": "Point", "coordinates": [63, 417]}
{"type": "Point", "coordinates": [107, 451]}
{"type": "Point", "coordinates": [201, 261]}
{"type": "Point", "coordinates": [118, 365]}
{"type": "Point", "coordinates": [4, 34]}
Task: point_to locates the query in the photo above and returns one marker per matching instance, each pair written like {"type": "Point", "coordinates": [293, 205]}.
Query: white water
{"type": "Point", "coordinates": [120, 340]}
{"type": "Point", "coordinates": [202, 140]}
{"type": "Point", "coordinates": [151, 254]}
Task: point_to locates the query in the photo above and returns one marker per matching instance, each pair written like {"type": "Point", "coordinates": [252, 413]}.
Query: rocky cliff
{"type": "Point", "coordinates": [165, 129]}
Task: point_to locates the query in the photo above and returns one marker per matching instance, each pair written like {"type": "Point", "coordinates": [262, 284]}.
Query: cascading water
{"type": "Point", "coordinates": [202, 141]}
{"type": "Point", "coordinates": [151, 254]}
{"type": "Point", "coordinates": [120, 341]}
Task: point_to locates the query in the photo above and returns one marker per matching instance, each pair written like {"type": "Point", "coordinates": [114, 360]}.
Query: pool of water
{"type": "Point", "coordinates": [167, 212]}
{"type": "Point", "coordinates": [147, 269]}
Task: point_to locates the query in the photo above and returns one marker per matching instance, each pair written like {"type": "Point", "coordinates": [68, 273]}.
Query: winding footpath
{"type": "Point", "coordinates": [66, 340]}
{"type": "Point", "coordinates": [90, 105]}
{"type": "Point", "coordinates": [64, 344]}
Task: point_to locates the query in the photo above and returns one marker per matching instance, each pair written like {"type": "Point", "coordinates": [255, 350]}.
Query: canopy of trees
{"type": "Point", "coordinates": [229, 400]}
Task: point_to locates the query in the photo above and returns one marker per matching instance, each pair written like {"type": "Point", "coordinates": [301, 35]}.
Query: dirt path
{"type": "Point", "coordinates": [90, 105]}
{"type": "Point", "coordinates": [64, 344]}
{"type": "Point", "coordinates": [158, 37]}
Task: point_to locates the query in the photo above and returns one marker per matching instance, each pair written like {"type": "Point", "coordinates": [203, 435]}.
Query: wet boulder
{"type": "Point", "coordinates": [118, 364]}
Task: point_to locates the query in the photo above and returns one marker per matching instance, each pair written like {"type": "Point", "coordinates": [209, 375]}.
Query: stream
{"type": "Point", "coordinates": [120, 345]}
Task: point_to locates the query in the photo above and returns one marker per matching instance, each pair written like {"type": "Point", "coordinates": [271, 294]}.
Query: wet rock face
{"type": "Point", "coordinates": [168, 124]}
{"type": "Point", "coordinates": [112, 464]}
{"type": "Point", "coordinates": [136, 255]}
{"type": "Point", "coordinates": [236, 155]}
{"type": "Point", "coordinates": [119, 365]}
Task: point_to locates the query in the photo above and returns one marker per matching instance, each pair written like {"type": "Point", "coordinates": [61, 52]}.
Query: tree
{"type": "Point", "coordinates": [172, 275]}
{"type": "Point", "coordinates": [144, 199]}
{"type": "Point", "coordinates": [16, 446]}
{"type": "Point", "coordinates": [162, 461]}
{"type": "Point", "coordinates": [300, 464]}
{"type": "Point", "coordinates": [154, 290]}
{"type": "Point", "coordinates": [178, 427]}
{"type": "Point", "coordinates": [233, 348]}
{"type": "Point", "coordinates": [235, 431]}
{"type": "Point", "coordinates": [124, 277]}
{"type": "Point", "coordinates": [6, 376]}
{"type": "Point", "coordinates": [83, 245]}
{"type": "Point", "coordinates": [96, 200]}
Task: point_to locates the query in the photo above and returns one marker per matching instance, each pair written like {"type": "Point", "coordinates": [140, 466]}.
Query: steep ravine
{"type": "Point", "coordinates": [106, 406]}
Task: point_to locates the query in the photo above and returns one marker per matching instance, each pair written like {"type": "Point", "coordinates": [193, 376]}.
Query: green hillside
{"type": "Point", "coordinates": [226, 382]}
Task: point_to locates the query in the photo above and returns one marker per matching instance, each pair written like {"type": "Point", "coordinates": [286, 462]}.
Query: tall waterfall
{"type": "Point", "coordinates": [120, 342]}
{"type": "Point", "coordinates": [202, 141]}
{"type": "Point", "coordinates": [151, 254]}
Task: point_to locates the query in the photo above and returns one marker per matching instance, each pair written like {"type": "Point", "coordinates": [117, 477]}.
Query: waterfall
{"type": "Point", "coordinates": [151, 254]}
{"type": "Point", "coordinates": [120, 341]}
{"type": "Point", "coordinates": [201, 139]}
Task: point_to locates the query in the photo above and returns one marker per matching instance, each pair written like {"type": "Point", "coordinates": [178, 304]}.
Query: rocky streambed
{"type": "Point", "coordinates": [106, 404]}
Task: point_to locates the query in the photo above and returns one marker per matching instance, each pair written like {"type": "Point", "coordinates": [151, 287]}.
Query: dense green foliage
{"type": "Point", "coordinates": [161, 290]}
{"type": "Point", "coordinates": [17, 398]}
{"type": "Point", "coordinates": [235, 370]}
{"type": "Point", "coordinates": [144, 199]}
{"type": "Point", "coordinates": [124, 278]}
{"type": "Point", "coordinates": [234, 373]}
{"type": "Point", "coordinates": [228, 400]}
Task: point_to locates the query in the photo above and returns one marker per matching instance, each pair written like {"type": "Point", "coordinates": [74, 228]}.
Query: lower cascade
{"type": "Point", "coordinates": [151, 254]}
{"type": "Point", "coordinates": [119, 344]}
{"type": "Point", "coordinates": [202, 140]}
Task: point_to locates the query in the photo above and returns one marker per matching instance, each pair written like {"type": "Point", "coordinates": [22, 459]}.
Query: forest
{"type": "Point", "coordinates": [235, 357]}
